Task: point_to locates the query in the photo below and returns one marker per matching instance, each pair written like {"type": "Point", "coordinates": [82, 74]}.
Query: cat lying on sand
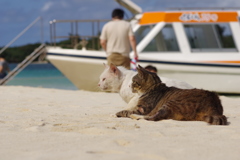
{"type": "Point", "coordinates": [119, 79]}
{"type": "Point", "coordinates": [158, 102]}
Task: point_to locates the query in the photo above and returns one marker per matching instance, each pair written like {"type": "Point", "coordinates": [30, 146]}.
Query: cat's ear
{"type": "Point", "coordinates": [140, 71]}
{"type": "Point", "coordinates": [140, 67]}
{"type": "Point", "coordinates": [114, 69]}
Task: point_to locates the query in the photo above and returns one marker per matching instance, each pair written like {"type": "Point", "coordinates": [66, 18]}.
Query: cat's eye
{"type": "Point", "coordinates": [135, 82]}
{"type": "Point", "coordinates": [103, 79]}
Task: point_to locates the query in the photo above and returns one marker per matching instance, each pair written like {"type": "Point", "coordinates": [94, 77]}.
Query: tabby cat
{"type": "Point", "coordinates": [157, 102]}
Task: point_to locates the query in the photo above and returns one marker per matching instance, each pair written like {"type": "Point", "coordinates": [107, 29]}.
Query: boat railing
{"type": "Point", "coordinates": [23, 31]}
{"type": "Point", "coordinates": [30, 58]}
{"type": "Point", "coordinates": [86, 37]}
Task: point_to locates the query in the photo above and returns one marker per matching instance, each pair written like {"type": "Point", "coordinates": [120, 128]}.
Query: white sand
{"type": "Point", "coordinates": [50, 124]}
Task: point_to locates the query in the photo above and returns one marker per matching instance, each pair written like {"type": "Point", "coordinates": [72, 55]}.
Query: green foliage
{"type": "Point", "coordinates": [75, 40]}
{"type": "Point", "coordinates": [93, 44]}
{"type": "Point", "coordinates": [18, 54]}
{"type": "Point", "coordinates": [64, 43]}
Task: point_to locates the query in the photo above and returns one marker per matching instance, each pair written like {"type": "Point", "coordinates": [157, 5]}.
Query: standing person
{"type": "Point", "coordinates": [116, 38]}
{"type": "Point", "coordinates": [4, 68]}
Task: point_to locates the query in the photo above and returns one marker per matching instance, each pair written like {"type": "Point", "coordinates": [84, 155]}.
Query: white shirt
{"type": "Point", "coordinates": [116, 33]}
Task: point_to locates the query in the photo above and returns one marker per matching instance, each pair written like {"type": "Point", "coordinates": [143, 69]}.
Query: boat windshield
{"type": "Point", "coordinates": [164, 41]}
{"type": "Point", "coordinates": [210, 37]}
{"type": "Point", "coordinates": [142, 32]}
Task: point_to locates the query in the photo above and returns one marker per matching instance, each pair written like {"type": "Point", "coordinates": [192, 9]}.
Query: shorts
{"type": "Point", "coordinates": [119, 60]}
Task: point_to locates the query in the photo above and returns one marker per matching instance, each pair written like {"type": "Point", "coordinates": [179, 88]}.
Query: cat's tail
{"type": "Point", "coordinates": [216, 119]}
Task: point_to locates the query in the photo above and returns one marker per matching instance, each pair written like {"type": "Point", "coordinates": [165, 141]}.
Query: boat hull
{"type": "Point", "coordinates": [83, 74]}
{"type": "Point", "coordinates": [83, 70]}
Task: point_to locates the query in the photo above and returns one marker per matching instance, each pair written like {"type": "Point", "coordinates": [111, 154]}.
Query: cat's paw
{"type": "Point", "coordinates": [124, 113]}
{"type": "Point", "coordinates": [113, 115]}
{"type": "Point", "coordinates": [136, 116]}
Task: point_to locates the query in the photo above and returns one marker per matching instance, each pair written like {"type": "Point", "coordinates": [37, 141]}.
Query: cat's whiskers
{"type": "Point", "coordinates": [98, 88]}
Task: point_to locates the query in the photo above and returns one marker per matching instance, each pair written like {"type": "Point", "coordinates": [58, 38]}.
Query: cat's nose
{"type": "Point", "coordinates": [98, 85]}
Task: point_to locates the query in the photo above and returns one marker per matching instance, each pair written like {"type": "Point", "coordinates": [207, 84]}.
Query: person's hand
{"type": "Point", "coordinates": [136, 57]}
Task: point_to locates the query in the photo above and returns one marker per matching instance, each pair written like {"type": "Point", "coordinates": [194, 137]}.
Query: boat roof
{"type": "Point", "coordinates": [189, 17]}
{"type": "Point", "coordinates": [132, 7]}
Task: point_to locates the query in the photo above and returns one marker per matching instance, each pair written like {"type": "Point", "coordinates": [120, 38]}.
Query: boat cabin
{"type": "Point", "coordinates": [188, 32]}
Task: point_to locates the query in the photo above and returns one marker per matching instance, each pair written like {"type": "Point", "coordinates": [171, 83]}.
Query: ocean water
{"type": "Point", "coordinates": [43, 75]}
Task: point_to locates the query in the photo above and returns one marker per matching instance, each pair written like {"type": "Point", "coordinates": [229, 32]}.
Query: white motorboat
{"type": "Point", "coordinates": [201, 47]}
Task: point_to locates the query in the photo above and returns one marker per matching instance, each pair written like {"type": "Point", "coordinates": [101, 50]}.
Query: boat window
{"type": "Point", "coordinates": [164, 41]}
{"type": "Point", "coordinates": [142, 32]}
{"type": "Point", "coordinates": [210, 37]}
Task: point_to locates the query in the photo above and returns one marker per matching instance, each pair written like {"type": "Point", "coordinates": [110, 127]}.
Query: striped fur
{"type": "Point", "coordinates": [161, 102]}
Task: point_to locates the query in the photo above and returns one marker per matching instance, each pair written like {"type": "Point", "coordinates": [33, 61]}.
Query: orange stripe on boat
{"type": "Point", "coordinates": [223, 61]}
{"type": "Point", "coordinates": [188, 17]}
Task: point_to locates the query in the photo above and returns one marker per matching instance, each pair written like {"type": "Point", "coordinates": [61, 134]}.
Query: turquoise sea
{"type": "Point", "coordinates": [43, 75]}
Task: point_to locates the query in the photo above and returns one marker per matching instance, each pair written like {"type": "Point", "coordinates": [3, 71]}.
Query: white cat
{"type": "Point", "coordinates": [119, 79]}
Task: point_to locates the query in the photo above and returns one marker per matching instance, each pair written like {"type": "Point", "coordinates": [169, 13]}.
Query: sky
{"type": "Point", "coordinates": [16, 15]}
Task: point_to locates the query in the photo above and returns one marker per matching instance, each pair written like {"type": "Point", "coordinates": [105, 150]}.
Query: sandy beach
{"type": "Point", "coordinates": [43, 124]}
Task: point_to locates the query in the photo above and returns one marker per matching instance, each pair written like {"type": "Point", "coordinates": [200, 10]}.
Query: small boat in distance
{"type": "Point", "coordinates": [200, 47]}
